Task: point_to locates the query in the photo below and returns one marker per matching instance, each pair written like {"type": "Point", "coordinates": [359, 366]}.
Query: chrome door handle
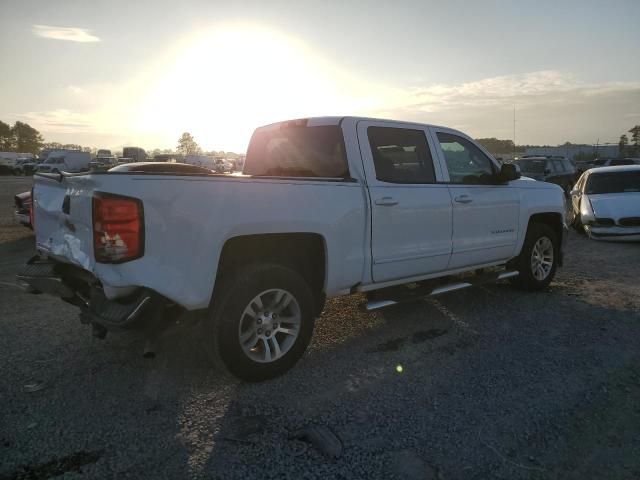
{"type": "Point", "coordinates": [463, 199]}
{"type": "Point", "coordinates": [386, 201]}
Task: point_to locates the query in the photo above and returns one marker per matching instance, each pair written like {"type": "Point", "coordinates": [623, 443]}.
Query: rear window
{"type": "Point", "coordinates": [558, 166]}
{"type": "Point", "coordinates": [568, 166]}
{"type": "Point", "coordinates": [297, 151]}
{"type": "Point", "coordinates": [621, 162]}
{"type": "Point", "coordinates": [532, 166]}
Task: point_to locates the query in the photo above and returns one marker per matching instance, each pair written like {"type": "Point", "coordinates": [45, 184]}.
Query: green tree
{"type": "Point", "coordinates": [635, 138]}
{"type": "Point", "coordinates": [495, 145]}
{"type": "Point", "coordinates": [26, 138]}
{"type": "Point", "coordinates": [187, 145]}
{"type": "Point", "coordinates": [622, 145]}
{"type": "Point", "coordinates": [52, 146]}
{"type": "Point", "coordinates": [6, 137]}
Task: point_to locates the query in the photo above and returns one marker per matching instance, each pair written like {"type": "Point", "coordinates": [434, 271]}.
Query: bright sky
{"type": "Point", "coordinates": [109, 73]}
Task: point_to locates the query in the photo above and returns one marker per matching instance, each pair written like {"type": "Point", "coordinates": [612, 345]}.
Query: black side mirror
{"type": "Point", "coordinates": [547, 171]}
{"type": "Point", "coordinates": [509, 172]}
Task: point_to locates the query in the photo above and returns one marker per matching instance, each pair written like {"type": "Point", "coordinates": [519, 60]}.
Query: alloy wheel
{"type": "Point", "coordinates": [542, 258]}
{"type": "Point", "coordinates": [269, 326]}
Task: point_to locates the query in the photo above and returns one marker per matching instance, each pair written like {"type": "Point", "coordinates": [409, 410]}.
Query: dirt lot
{"type": "Point", "coordinates": [494, 383]}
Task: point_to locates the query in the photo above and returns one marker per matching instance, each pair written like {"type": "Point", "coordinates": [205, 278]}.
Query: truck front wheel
{"type": "Point", "coordinates": [538, 259]}
{"type": "Point", "coordinates": [260, 321]}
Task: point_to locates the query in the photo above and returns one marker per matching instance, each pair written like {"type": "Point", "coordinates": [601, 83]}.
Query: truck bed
{"type": "Point", "coordinates": [188, 219]}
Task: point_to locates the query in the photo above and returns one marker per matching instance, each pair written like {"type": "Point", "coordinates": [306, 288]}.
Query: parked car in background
{"type": "Point", "coordinates": [606, 162]}
{"type": "Point", "coordinates": [220, 165]}
{"type": "Point", "coordinates": [25, 166]}
{"type": "Point", "coordinates": [65, 161]}
{"type": "Point", "coordinates": [103, 163]}
{"type": "Point", "coordinates": [325, 207]}
{"type": "Point", "coordinates": [558, 170]}
{"type": "Point", "coordinates": [12, 162]}
{"type": "Point", "coordinates": [616, 162]}
{"type": "Point", "coordinates": [103, 152]}
{"type": "Point", "coordinates": [7, 166]}
{"type": "Point", "coordinates": [606, 203]}
{"type": "Point", "coordinates": [136, 154]}
{"type": "Point", "coordinates": [22, 213]}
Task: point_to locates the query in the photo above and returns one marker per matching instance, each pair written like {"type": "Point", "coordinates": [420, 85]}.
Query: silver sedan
{"type": "Point", "coordinates": [605, 203]}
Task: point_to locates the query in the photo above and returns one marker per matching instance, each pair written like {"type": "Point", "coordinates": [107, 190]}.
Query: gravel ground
{"type": "Point", "coordinates": [479, 384]}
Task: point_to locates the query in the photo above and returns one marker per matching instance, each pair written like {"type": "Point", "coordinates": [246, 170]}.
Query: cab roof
{"type": "Point", "coordinates": [329, 120]}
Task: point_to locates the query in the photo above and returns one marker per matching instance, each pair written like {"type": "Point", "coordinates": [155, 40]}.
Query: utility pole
{"type": "Point", "coordinates": [514, 130]}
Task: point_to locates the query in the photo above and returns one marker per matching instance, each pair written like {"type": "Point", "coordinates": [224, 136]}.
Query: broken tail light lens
{"type": "Point", "coordinates": [118, 228]}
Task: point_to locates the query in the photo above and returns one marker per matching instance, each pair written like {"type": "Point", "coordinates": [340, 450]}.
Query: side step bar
{"type": "Point", "coordinates": [479, 280]}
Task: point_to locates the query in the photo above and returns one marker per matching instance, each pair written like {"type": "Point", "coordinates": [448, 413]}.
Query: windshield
{"type": "Point", "coordinates": [532, 166]}
{"type": "Point", "coordinates": [619, 182]}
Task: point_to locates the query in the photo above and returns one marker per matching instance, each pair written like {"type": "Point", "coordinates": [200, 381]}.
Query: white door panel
{"type": "Point", "coordinates": [485, 223]}
{"type": "Point", "coordinates": [485, 214]}
{"type": "Point", "coordinates": [411, 232]}
{"type": "Point", "coordinates": [411, 222]}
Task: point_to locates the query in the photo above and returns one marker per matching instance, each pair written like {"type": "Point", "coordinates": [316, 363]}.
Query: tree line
{"type": "Point", "coordinates": [627, 146]}
{"type": "Point", "coordinates": [187, 145]}
{"type": "Point", "coordinates": [628, 149]}
{"type": "Point", "coordinates": [23, 138]}
{"type": "Point", "coordinates": [20, 137]}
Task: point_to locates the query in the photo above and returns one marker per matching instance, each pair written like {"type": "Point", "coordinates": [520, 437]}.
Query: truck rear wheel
{"type": "Point", "coordinates": [538, 260]}
{"type": "Point", "coordinates": [260, 321]}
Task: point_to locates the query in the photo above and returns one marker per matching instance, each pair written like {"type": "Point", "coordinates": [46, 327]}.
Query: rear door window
{"type": "Point", "coordinates": [401, 155]}
{"type": "Point", "coordinates": [568, 166]}
{"type": "Point", "coordinates": [558, 167]}
{"type": "Point", "coordinates": [297, 151]}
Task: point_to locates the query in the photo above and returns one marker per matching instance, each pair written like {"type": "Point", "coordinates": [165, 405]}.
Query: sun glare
{"type": "Point", "coordinates": [224, 83]}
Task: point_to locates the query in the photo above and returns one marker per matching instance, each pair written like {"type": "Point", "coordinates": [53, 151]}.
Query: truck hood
{"type": "Point", "coordinates": [534, 176]}
{"type": "Point", "coordinates": [528, 182]}
{"type": "Point", "coordinates": [616, 205]}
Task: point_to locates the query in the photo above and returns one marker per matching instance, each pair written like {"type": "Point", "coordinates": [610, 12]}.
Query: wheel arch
{"type": "Point", "coordinates": [555, 221]}
{"type": "Point", "coordinates": [304, 252]}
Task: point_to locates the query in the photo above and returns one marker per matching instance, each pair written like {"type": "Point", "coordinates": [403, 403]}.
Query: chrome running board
{"type": "Point", "coordinates": [474, 281]}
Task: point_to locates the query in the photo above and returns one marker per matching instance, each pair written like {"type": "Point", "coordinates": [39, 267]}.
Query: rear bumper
{"type": "Point", "coordinates": [80, 288]}
{"type": "Point", "coordinates": [22, 218]}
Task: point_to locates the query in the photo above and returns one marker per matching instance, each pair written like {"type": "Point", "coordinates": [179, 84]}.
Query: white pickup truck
{"type": "Point", "coordinates": [324, 207]}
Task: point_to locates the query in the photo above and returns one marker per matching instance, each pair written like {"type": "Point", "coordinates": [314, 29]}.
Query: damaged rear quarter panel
{"type": "Point", "coordinates": [67, 237]}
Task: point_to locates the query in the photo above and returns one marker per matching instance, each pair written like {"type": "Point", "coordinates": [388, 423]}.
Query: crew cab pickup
{"type": "Point", "coordinates": [324, 207]}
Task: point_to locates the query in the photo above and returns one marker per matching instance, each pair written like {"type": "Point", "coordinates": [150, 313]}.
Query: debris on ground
{"type": "Point", "coordinates": [34, 387]}
{"type": "Point", "coordinates": [322, 438]}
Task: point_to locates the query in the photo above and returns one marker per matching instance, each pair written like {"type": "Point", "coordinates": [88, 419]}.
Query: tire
{"type": "Point", "coordinates": [235, 315]}
{"type": "Point", "coordinates": [530, 277]}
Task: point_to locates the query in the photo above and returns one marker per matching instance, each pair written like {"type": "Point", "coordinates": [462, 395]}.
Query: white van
{"type": "Point", "coordinates": [65, 161]}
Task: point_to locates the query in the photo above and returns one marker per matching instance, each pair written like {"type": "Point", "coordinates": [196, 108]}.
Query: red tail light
{"type": "Point", "coordinates": [118, 228]}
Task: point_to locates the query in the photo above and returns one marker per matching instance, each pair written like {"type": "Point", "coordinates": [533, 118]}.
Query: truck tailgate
{"type": "Point", "coordinates": [63, 218]}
